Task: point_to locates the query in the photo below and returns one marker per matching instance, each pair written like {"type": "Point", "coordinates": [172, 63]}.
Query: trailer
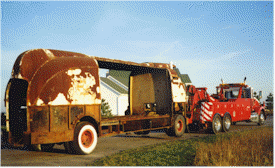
{"type": "Point", "coordinates": [53, 97]}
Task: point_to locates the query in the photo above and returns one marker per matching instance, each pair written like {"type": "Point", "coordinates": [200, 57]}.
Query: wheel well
{"type": "Point", "coordinates": [218, 115]}
{"type": "Point", "coordinates": [90, 120]}
{"type": "Point", "coordinates": [227, 113]}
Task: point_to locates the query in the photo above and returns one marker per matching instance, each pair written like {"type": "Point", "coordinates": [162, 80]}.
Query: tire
{"type": "Point", "coordinates": [68, 147]}
{"type": "Point", "coordinates": [47, 147]}
{"type": "Point", "coordinates": [217, 124]}
{"type": "Point", "coordinates": [142, 133]}
{"type": "Point", "coordinates": [178, 127]}
{"type": "Point", "coordinates": [169, 132]}
{"type": "Point", "coordinates": [234, 123]}
{"type": "Point", "coordinates": [226, 123]}
{"type": "Point", "coordinates": [85, 139]}
{"type": "Point", "coordinates": [261, 119]}
{"type": "Point", "coordinates": [35, 147]}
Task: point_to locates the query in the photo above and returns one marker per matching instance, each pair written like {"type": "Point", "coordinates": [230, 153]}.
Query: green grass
{"type": "Point", "coordinates": [249, 148]}
{"type": "Point", "coordinates": [213, 150]}
{"type": "Point", "coordinates": [166, 154]}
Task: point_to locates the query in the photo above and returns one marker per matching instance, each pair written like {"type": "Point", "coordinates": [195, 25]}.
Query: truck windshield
{"type": "Point", "coordinates": [234, 92]}
{"type": "Point", "coordinates": [231, 94]}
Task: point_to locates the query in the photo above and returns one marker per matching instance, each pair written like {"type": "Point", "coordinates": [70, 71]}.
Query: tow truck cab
{"type": "Point", "coordinates": [248, 107]}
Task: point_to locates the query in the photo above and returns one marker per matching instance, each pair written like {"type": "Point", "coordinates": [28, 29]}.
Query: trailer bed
{"type": "Point", "coordinates": [133, 123]}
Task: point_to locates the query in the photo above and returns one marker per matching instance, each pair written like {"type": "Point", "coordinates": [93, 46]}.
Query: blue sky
{"type": "Point", "coordinates": [206, 40]}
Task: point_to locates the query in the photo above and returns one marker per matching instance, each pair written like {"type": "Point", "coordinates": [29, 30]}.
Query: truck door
{"type": "Point", "coordinates": [245, 104]}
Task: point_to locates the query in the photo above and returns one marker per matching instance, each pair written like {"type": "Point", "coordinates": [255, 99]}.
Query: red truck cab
{"type": "Point", "coordinates": [241, 101]}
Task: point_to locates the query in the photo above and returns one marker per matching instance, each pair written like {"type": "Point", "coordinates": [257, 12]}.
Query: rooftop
{"type": "Point", "coordinates": [114, 85]}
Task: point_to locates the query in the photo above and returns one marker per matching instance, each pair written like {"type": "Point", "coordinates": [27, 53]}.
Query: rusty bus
{"type": "Point", "coordinates": [53, 97]}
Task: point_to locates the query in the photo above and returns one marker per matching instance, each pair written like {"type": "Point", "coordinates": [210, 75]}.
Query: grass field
{"type": "Point", "coordinates": [253, 148]}
{"type": "Point", "coordinates": [248, 148]}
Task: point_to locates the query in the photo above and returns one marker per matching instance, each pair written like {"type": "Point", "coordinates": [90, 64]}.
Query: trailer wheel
{"type": "Point", "coordinates": [261, 118]}
{"type": "Point", "coordinates": [226, 122]}
{"type": "Point", "coordinates": [178, 127]}
{"type": "Point", "coordinates": [85, 138]}
{"type": "Point", "coordinates": [217, 124]}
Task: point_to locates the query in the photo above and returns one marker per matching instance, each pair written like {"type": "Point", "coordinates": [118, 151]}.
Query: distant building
{"type": "Point", "coordinates": [114, 89]}
{"type": "Point", "coordinates": [185, 79]}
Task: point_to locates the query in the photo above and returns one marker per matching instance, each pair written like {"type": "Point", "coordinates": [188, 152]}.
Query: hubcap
{"type": "Point", "coordinates": [217, 124]}
{"type": "Point", "coordinates": [179, 126]}
{"type": "Point", "coordinates": [87, 138]}
{"type": "Point", "coordinates": [262, 117]}
{"type": "Point", "coordinates": [227, 123]}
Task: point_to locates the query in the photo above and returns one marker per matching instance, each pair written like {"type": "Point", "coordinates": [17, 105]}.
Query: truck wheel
{"type": "Point", "coordinates": [226, 122]}
{"type": "Point", "coordinates": [261, 118]}
{"type": "Point", "coordinates": [178, 127]}
{"type": "Point", "coordinates": [217, 124]}
{"type": "Point", "coordinates": [169, 132]}
{"type": "Point", "coordinates": [85, 138]}
{"type": "Point", "coordinates": [68, 147]}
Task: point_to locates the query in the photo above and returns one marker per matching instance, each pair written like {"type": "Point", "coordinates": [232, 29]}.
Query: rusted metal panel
{"type": "Point", "coordinates": [133, 125]}
{"type": "Point", "coordinates": [59, 118]}
{"type": "Point", "coordinates": [133, 118]}
{"type": "Point", "coordinates": [75, 111]}
{"type": "Point", "coordinates": [163, 95]}
{"type": "Point", "coordinates": [107, 123]}
{"type": "Point", "coordinates": [93, 111]}
{"type": "Point", "coordinates": [30, 61]}
{"type": "Point", "coordinates": [178, 90]}
{"type": "Point", "coordinates": [51, 137]}
{"type": "Point", "coordinates": [65, 81]}
{"type": "Point", "coordinates": [39, 117]}
{"type": "Point", "coordinates": [143, 92]}
{"type": "Point", "coordinates": [150, 88]}
{"type": "Point", "coordinates": [38, 67]}
{"type": "Point", "coordinates": [161, 122]}
{"type": "Point", "coordinates": [128, 65]}
{"type": "Point", "coordinates": [146, 124]}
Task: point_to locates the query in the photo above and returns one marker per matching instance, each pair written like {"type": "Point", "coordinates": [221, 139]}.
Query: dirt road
{"type": "Point", "coordinates": [106, 146]}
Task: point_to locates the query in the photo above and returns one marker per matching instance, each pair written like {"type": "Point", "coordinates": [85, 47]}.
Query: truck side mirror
{"type": "Point", "coordinates": [260, 94]}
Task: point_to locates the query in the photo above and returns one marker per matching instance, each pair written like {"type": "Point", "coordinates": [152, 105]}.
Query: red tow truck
{"type": "Point", "coordinates": [232, 103]}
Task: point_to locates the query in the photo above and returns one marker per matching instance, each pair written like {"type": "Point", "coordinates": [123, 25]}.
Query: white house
{"type": "Point", "coordinates": [114, 89]}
